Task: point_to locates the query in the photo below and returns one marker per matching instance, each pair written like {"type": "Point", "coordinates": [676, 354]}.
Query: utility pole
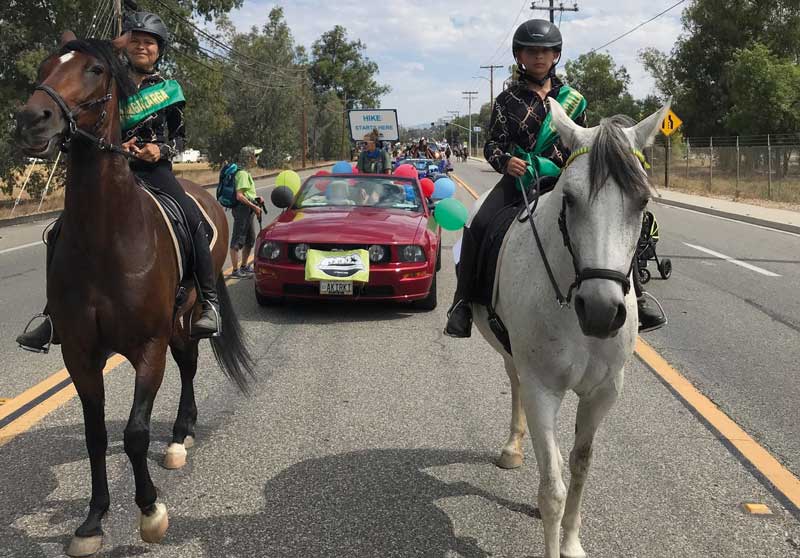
{"type": "Point", "coordinates": [469, 96]}
{"type": "Point", "coordinates": [118, 14]}
{"type": "Point", "coordinates": [552, 9]}
{"type": "Point", "coordinates": [304, 127]}
{"type": "Point", "coordinates": [491, 82]}
{"type": "Point", "coordinates": [453, 115]}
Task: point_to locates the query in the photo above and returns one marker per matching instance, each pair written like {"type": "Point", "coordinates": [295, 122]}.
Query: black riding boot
{"type": "Point", "coordinates": [650, 319]}
{"type": "Point", "coordinates": [209, 324]}
{"type": "Point", "coordinates": [459, 317]}
{"type": "Point", "coordinates": [39, 339]}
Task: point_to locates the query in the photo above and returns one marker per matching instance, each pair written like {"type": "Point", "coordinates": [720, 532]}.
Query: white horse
{"type": "Point", "coordinates": [601, 195]}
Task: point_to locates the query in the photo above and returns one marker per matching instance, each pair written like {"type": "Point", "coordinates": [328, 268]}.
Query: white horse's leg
{"type": "Point", "coordinates": [511, 455]}
{"type": "Point", "coordinates": [592, 408]}
{"type": "Point", "coordinates": [541, 406]}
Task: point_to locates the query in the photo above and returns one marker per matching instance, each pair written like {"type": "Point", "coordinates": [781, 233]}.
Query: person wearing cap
{"type": "Point", "coordinates": [243, 235]}
{"type": "Point", "coordinates": [153, 131]}
{"type": "Point", "coordinates": [373, 160]}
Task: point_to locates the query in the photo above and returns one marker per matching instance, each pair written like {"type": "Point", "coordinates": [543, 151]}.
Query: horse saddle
{"type": "Point", "coordinates": [178, 226]}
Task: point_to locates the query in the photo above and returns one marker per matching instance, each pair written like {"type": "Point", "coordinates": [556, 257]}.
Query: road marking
{"type": "Point", "coordinates": [770, 229]}
{"type": "Point", "coordinates": [781, 478]}
{"type": "Point", "coordinates": [20, 413]}
{"type": "Point", "coordinates": [7, 250]}
{"type": "Point", "coordinates": [733, 260]}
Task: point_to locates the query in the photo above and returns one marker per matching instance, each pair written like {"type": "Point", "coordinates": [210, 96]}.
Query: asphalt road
{"type": "Point", "coordinates": [370, 434]}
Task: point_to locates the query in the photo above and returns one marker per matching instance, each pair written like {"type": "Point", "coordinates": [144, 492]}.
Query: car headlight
{"type": "Point", "coordinates": [300, 251]}
{"type": "Point", "coordinates": [270, 250]}
{"type": "Point", "coordinates": [376, 253]}
{"type": "Point", "coordinates": [411, 253]}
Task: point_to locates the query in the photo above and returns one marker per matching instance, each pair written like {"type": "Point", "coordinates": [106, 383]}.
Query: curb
{"type": "Point", "coordinates": [785, 227]}
{"type": "Point", "coordinates": [45, 215]}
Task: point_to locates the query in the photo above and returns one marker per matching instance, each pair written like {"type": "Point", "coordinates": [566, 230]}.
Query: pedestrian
{"type": "Point", "coordinates": [243, 237]}
{"type": "Point", "coordinates": [373, 160]}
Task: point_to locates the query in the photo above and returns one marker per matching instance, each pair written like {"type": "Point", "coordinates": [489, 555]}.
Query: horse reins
{"type": "Point", "coordinates": [586, 273]}
{"type": "Point", "coordinates": [72, 126]}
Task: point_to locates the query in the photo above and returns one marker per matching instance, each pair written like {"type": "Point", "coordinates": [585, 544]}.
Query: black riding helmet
{"type": "Point", "coordinates": [145, 22]}
{"type": "Point", "coordinates": [536, 33]}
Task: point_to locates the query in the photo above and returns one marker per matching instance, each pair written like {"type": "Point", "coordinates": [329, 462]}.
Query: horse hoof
{"type": "Point", "coordinates": [574, 550]}
{"type": "Point", "coordinates": [84, 546]}
{"type": "Point", "coordinates": [175, 458]}
{"type": "Point", "coordinates": [188, 442]}
{"type": "Point", "coordinates": [152, 528]}
{"type": "Point", "coordinates": [510, 460]}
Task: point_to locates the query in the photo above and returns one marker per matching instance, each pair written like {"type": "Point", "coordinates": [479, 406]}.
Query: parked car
{"type": "Point", "coordinates": [354, 237]}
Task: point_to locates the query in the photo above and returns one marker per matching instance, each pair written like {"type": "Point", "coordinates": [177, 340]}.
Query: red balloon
{"type": "Point", "coordinates": [427, 187]}
{"type": "Point", "coordinates": [406, 170]}
{"type": "Point", "coordinates": [322, 172]}
{"type": "Point", "coordinates": [355, 168]}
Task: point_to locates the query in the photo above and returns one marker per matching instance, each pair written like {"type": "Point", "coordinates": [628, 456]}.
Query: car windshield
{"type": "Point", "coordinates": [421, 164]}
{"type": "Point", "coordinates": [332, 191]}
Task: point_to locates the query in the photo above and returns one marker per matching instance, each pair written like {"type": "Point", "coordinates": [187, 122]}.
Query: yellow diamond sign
{"type": "Point", "coordinates": [670, 123]}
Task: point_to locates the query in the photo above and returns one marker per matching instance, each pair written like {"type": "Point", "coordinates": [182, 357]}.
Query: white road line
{"type": "Point", "coordinates": [733, 261]}
{"type": "Point", "coordinates": [7, 250]}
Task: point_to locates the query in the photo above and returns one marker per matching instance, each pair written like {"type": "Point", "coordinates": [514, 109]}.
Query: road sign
{"type": "Point", "coordinates": [476, 129]}
{"type": "Point", "coordinates": [670, 123]}
{"type": "Point", "coordinates": [363, 122]}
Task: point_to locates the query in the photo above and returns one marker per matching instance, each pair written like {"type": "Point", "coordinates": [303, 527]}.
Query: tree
{"type": "Point", "coordinates": [604, 85]}
{"type": "Point", "coordinates": [659, 66]}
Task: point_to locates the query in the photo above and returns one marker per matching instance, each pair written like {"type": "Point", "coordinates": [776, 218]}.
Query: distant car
{"type": "Point", "coordinates": [427, 168]}
{"type": "Point", "coordinates": [353, 237]}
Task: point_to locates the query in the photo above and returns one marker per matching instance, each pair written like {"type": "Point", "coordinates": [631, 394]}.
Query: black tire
{"type": "Point", "coordinates": [268, 300]}
{"type": "Point", "coordinates": [644, 276]}
{"type": "Point", "coordinates": [439, 256]}
{"type": "Point", "coordinates": [665, 268]}
{"type": "Point", "coordinates": [429, 302]}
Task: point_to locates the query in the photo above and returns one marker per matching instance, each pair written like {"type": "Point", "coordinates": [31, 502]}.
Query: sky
{"type": "Point", "coordinates": [429, 51]}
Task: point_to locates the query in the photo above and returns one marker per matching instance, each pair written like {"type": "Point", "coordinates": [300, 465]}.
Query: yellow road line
{"type": "Point", "coordinates": [780, 477]}
{"type": "Point", "coordinates": [52, 402]}
{"type": "Point", "coordinates": [464, 185]}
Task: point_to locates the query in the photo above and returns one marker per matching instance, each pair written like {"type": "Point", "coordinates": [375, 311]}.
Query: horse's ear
{"type": "Point", "coordinates": [645, 131]}
{"type": "Point", "coordinates": [66, 37]}
{"type": "Point", "coordinates": [121, 42]}
{"type": "Point", "coordinates": [572, 135]}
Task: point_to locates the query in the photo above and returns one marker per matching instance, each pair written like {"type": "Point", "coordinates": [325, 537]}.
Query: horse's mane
{"type": "Point", "coordinates": [103, 51]}
{"type": "Point", "coordinates": [611, 157]}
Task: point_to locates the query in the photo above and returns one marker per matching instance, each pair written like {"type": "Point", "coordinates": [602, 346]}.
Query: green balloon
{"type": "Point", "coordinates": [290, 179]}
{"type": "Point", "coordinates": [450, 214]}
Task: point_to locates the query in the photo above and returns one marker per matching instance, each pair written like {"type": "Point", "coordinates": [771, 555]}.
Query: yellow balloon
{"type": "Point", "coordinates": [290, 179]}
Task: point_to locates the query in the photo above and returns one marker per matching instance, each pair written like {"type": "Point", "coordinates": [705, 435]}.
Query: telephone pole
{"type": "Point", "coordinates": [491, 81]}
{"type": "Point", "coordinates": [469, 96]}
{"type": "Point", "coordinates": [552, 9]}
{"type": "Point", "coordinates": [118, 16]}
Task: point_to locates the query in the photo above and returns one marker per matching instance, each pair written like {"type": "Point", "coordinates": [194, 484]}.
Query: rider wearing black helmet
{"type": "Point", "coordinates": [520, 137]}
{"type": "Point", "coordinates": [153, 131]}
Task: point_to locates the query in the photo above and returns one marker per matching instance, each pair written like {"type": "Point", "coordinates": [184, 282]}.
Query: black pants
{"type": "Point", "coordinates": [504, 193]}
{"type": "Point", "coordinates": [159, 175]}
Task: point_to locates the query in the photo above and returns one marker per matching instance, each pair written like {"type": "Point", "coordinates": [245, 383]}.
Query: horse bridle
{"type": "Point", "coordinates": [72, 126]}
{"type": "Point", "coordinates": [581, 274]}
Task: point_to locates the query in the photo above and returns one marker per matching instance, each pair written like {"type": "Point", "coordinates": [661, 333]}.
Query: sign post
{"type": "Point", "coordinates": [668, 126]}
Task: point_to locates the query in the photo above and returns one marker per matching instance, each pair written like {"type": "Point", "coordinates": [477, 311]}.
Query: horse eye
{"type": "Point", "coordinates": [643, 204]}
{"type": "Point", "coordinates": [569, 199]}
{"type": "Point", "coordinates": [96, 70]}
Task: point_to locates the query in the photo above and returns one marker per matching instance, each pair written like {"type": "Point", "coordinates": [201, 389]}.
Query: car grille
{"type": "Point", "coordinates": [330, 247]}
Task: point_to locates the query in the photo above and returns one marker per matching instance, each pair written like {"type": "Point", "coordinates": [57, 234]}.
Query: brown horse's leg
{"type": "Point", "coordinates": [184, 351]}
{"type": "Point", "coordinates": [87, 376]}
{"type": "Point", "coordinates": [149, 366]}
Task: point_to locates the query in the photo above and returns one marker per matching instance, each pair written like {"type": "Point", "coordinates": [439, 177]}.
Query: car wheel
{"type": "Point", "coordinates": [268, 300]}
{"type": "Point", "coordinates": [429, 302]}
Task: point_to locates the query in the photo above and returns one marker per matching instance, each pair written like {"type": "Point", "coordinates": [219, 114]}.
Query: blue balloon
{"type": "Point", "coordinates": [443, 188]}
{"type": "Point", "coordinates": [342, 167]}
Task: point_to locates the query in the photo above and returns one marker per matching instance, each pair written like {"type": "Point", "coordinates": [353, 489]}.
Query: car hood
{"type": "Point", "coordinates": [347, 225]}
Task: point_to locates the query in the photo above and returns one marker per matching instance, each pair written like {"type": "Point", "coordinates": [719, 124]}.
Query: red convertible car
{"type": "Point", "coordinates": [354, 237]}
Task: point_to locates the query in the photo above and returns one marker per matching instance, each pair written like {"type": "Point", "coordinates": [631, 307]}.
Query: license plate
{"type": "Point", "coordinates": [336, 287]}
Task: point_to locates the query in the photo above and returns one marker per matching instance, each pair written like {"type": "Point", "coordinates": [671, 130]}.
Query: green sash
{"type": "Point", "coordinates": [574, 104]}
{"type": "Point", "coordinates": [148, 101]}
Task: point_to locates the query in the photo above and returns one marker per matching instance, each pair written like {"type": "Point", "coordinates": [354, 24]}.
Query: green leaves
{"type": "Point", "coordinates": [604, 84]}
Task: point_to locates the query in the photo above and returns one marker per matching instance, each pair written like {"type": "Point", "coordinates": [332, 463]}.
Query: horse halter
{"type": "Point", "coordinates": [72, 126]}
{"type": "Point", "coordinates": [581, 274]}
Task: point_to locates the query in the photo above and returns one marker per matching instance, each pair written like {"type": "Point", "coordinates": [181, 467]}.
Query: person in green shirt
{"type": "Point", "coordinates": [243, 236]}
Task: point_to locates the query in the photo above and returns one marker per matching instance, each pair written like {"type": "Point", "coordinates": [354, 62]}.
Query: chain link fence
{"type": "Point", "coordinates": [746, 167]}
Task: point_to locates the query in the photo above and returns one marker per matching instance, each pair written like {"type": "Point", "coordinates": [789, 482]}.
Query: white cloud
{"type": "Point", "coordinates": [429, 50]}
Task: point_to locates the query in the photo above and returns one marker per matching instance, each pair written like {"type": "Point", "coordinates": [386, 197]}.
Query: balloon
{"type": "Point", "coordinates": [342, 167]}
{"type": "Point", "coordinates": [322, 172]}
{"type": "Point", "coordinates": [444, 188]}
{"type": "Point", "coordinates": [406, 170]}
{"type": "Point", "coordinates": [290, 179]}
{"type": "Point", "coordinates": [282, 197]}
{"type": "Point", "coordinates": [355, 168]}
{"type": "Point", "coordinates": [427, 187]}
{"type": "Point", "coordinates": [450, 214]}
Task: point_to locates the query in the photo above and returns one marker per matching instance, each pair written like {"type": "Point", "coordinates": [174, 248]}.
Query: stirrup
{"type": "Point", "coordinates": [660, 309]}
{"type": "Point", "coordinates": [46, 348]}
{"type": "Point", "coordinates": [218, 333]}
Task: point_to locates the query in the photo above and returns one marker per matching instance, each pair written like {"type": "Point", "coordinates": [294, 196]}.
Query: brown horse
{"type": "Point", "coordinates": [114, 276]}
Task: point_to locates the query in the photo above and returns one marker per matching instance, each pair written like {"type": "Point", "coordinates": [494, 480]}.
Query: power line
{"type": "Point", "coordinates": [227, 75]}
{"type": "Point", "coordinates": [513, 26]}
{"type": "Point", "coordinates": [639, 26]}
{"type": "Point", "coordinates": [553, 9]}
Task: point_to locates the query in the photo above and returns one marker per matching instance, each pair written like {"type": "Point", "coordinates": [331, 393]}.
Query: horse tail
{"type": "Point", "coordinates": [230, 349]}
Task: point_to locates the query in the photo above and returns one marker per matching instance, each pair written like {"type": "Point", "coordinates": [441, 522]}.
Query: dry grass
{"type": "Point", "coordinates": [785, 194]}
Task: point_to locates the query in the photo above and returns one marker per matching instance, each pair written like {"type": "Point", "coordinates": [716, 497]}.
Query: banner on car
{"type": "Point", "coordinates": [342, 265]}
{"type": "Point", "coordinates": [367, 121]}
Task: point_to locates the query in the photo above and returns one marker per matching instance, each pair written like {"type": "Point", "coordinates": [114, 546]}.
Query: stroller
{"type": "Point", "coordinates": [646, 250]}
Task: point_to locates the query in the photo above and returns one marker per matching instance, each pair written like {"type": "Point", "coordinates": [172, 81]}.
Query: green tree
{"type": "Point", "coordinates": [604, 84]}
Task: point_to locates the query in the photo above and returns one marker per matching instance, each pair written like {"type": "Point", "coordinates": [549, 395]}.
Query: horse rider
{"type": "Point", "coordinates": [517, 139]}
{"type": "Point", "coordinates": [153, 132]}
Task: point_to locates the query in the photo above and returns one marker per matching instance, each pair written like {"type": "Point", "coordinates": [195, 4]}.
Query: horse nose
{"type": "Point", "coordinates": [600, 313]}
{"type": "Point", "coordinates": [30, 118]}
